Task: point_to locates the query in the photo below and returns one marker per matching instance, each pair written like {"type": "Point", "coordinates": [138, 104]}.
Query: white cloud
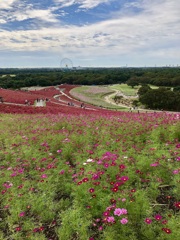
{"type": "Point", "coordinates": [82, 3]}
{"type": "Point", "coordinates": [152, 32]}
{"type": "Point", "coordinates": [6, 4]}
{"type": "Point", "coordinates": [2, 21]}
{"type": "Point", "coordinates": [45, 15]}
{"type": "Point", "coordinates": [21, 12]}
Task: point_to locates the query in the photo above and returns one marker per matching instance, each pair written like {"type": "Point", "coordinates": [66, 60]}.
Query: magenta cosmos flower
{"type": "Point", "coordinates": [148, 221]}
{"type": "Point", "coordinates": [106, 213]}
{"type": "Point", "coordinates": [22, 214]}
{"type": "Point", "coordinates": [62, 172]}
{"type": "Point", "coordinates": [177, 205]}
{"type": "Point", "coordinates": [166, 230]}
{"type": "Point", "coordinates": [91, 190]}
{"type": "Point", "coordinates": [178, 145]}
{"type": "Point", "coordinates": [158, 217]}
{"type": "Point", "coordinates": [124, 178]}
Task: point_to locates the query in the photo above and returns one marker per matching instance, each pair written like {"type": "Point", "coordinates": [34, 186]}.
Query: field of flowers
{"type": "Point", "coordinates": [58, 99]}
{"type": "Point", "coordinates": [90, 176]}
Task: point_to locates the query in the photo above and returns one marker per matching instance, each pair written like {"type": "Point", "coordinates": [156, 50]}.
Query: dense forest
{"type": "Point", "coordinates": [17, 78]}
{"type": "Point", "coordinates": [167, 78]}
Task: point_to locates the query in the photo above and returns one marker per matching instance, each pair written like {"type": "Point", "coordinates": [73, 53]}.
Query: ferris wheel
{"type": "Point", "coordinates": [66, 64]}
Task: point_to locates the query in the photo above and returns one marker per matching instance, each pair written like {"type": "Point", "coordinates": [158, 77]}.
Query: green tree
{"type": "Point", "coordinates": [144, 89]}
{"type": "Point", "coordinates": [133, 82]}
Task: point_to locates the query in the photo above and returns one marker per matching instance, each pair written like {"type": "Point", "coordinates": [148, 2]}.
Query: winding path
{"type": "Point", "coordinates": [108, 99]}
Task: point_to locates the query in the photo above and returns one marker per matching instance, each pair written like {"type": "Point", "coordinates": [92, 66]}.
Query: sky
{"type": "Point", "coordinates": [89, 33]}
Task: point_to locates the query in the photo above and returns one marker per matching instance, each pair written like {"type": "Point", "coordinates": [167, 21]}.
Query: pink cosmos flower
{"type": "Point", "coordinates": [100, 228]}
{"type": "Point", "coordinates": [110, 219]}
{"type": "Point", "coordinates": [154, 164]}
{"type": "Point", "coordinates": [175, 171]}
{"type": "Point", "coordinates": [13, 174]}
{"type": "Point", "coordinates": [118, 211]}
{"type": "Point", "coordinates": [8, 185]}
{"type": "Point", "coordinates": [124, 221]}
{"type": "Point", "coordinates": [99, 162]}
{"type": "Point", "coordinates": [95, 176]}
{"type": "Point", "coordinates": [44, 176]}
{"type": "Point", "coordinates": [124, 211]}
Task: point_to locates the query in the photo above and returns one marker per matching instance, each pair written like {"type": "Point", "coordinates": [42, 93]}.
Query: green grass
{"type": "Point", "coordinates": [94, 95]}
{"type": "Point", "coordinates": [125, 89]}
{"type": "Point", "coordinates": [153, 87]}
{"type": "Point", "coordinates": [11, 75]}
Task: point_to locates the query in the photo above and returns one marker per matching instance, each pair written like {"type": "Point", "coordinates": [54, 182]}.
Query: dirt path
{"type": "Point", "coordinates": [109, 100]}
{"type": "Point", "coordinates": [58, 98]}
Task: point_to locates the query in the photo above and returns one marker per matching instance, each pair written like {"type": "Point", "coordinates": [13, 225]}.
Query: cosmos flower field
{"type": "Point", "coordinates": [90, 176]}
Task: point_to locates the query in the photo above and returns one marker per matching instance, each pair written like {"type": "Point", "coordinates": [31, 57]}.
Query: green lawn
{"type": "Point", "coordinates": [125, 89]}
{"type": "Point", "coordinates": [94, 95]}
{"type": "Point", "coordinates": [11, 75]}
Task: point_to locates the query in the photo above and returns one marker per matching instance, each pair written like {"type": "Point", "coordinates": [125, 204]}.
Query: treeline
{"type": "Point", "coordinates": [17, 78]}
{"type": "Point", "coordinates": [163, 98]}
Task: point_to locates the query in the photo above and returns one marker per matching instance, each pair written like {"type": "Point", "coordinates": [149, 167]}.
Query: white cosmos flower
{"type": "Point", "coordinates": [90, 160]}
